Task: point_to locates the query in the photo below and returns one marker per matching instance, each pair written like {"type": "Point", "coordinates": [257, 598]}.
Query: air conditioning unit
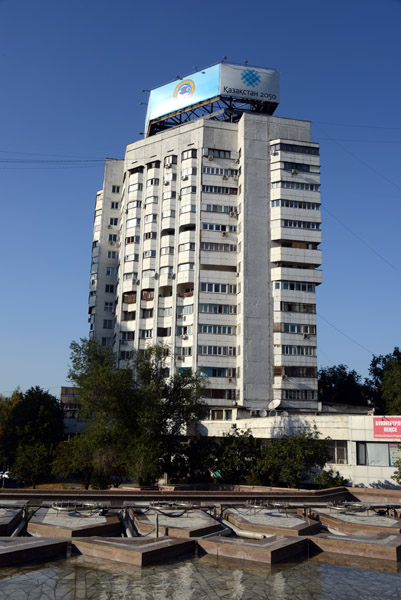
{"type": "Point", "coordinates": [111, 243]}
{"type": "Point", "coordinates": [210, 156]}
{"type": "Point", "coordinates": [170, 276]}
{"type": "Point", "coordinates": [225, 177]}
{"type": "Point", "coordinates": [184, 337]}
{"type": "Point", "coordinates": [136, 281]}
{"type": "Point", "coordinates": [166, 183]}
{"type": "Point", "coordinates": [235, 177]}
{"type": "Point", "coordinates": [294, 172]}
{"type": "Point", "coordinates": [231, 380]}
{"type": "Point", "coordinates": [233, 214]}
{"type": "Point", "coordinates": [180, 358]}
{"type": "Point", "coordinates": [168, 166]}
{"type": "Point", "coordinates": [108, 226]}
{"type": "Point", "coordinates": [180, 316]}
{"type": "Point", "coordinates": [237, 161]}
{"type": "Point", "coordinates": [305, 336]}
{"type": "Point", "coordinates": [184, 177]}
{"type": "Point", "coordinates": [225, 234]}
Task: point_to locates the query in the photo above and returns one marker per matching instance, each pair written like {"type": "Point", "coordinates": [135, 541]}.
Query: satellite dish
{"type": "Point", "coordinates": [263, 413]}
{"type": "Point", "coordinates": [284, 413]}
{"type": "Point", "coordinates": [274, 404]}
{"type": "Point", "coordinates": [273, 413]}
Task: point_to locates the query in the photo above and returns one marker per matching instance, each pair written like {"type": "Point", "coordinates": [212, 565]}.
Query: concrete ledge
{"type": "Point", "coordinates": [137, 552]}
{"type": "Point", "coordinates": [268, 551]}
{"type": "Point", "coordinates": [274, 527]}
{"type": "Point", "coordinates": [22, 550]}
{"type": "Point", "coordinates": [46, 523]}
{"type": "Point", "coordinates": [195, 524]}
{"type": "Point", "coordinates": [382, 546]}
{"type": "Point", "coordinates": [357, 526]}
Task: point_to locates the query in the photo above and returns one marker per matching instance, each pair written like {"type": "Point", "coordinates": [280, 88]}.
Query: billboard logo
{"type": "Point", "coordinates": [185, 89]}
{"type": "Point", "coordinates": [250, 77]}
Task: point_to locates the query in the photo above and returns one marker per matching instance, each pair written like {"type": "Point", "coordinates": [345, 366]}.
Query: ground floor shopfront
{"type": "Point", "coordinates": [363, 448]}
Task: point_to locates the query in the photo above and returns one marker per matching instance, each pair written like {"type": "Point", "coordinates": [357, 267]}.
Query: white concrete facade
{"type": "Point", "coordinates": [216, 233]}
{"type": "Point", "coordinates": [356, 454]}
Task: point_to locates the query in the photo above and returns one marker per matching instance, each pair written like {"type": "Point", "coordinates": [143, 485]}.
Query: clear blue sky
{"type": "Point", "coordinates": [71, 79]}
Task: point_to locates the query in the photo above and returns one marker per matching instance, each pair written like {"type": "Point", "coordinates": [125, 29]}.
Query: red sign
{"type": "Point", "coordinates": [387, 428]}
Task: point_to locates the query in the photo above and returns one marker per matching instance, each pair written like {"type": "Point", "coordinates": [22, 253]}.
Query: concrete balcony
{"type": "Point", "coordinates": [185, 277]}
{"type": "Point", "coordinates": [287, 274]}
{"type": "Point", "coordinates": [296, 255]}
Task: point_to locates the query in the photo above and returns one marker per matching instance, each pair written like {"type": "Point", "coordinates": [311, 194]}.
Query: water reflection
{"type": "Point", "coordinates": [322, 577]}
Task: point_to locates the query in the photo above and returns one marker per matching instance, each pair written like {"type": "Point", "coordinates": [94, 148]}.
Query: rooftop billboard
{"type": "Point", "coordinates": [224, 79]}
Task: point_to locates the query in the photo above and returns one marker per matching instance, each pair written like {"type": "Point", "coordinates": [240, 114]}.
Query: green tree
{"type": "Point", "coordinates": [384, 382]}
{"type": "Point", "coordinates": [32, 418]}
{"type": "Point", "coordinates": [32, 462]}
{"type": "Point", "coordinates": [339, 385]}
{"type": "Point", "coordinates": [391, 387]}
{"type": "Point", "coordinates": [291, 460]}
{"type": "Point", "coordinates": [139, 408]}
{"type": "Point", "coordinates": [237, 454]}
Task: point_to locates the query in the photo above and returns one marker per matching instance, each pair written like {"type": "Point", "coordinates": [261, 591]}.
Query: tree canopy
{"type": "Point", "coordinates": [340, 385]}
{"type": "Point", "coordinates": [136, 410]}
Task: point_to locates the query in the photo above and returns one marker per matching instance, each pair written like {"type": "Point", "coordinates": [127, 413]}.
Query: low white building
{"type": "Point", "coordinates": [363, 448]}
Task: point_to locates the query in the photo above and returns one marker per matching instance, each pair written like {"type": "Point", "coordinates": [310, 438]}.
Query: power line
{"type": "Point", "coordinates": [345, 335]}
{"type": "Point", "coordinates": [383, 258]}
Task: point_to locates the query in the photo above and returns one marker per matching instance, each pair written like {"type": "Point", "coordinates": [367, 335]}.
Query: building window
{"type": "Point", "coordinates": [186, 267]}
{"type": "Point", "coordinates": [185, 310]}
{"type": "Point", "coordinates": [150, 235]}
{"type": "Point", "coordinates": [128, 335]}
{"type": "Point", "coordinates": [111, 270]}
{"type": "Point", "coordinates": [107, 323]}
{"type": "Point", "coordinates": [126, 354]}
{"type": "Point", "coordinates": [217, 350]}
{"type": "Point", "coordinates": [211, 246]}
{"type": "Point", "coordinates": [129, 297]}
{"type": "Point", "coordinates": [337, 452]}
{"type": "Point", "coordinates": [167, 250]}
{"type": "Point", "coordinates": [296, 185]}
{"type": "Point", "coordinates": [129, 276]}
{"type": "Point", "coordinates": [169, 195]}
{"type": "Point", "coordinates": [114, 205]}
{"type": "Point", "coordinates": [294, 286]}
{"type": "Point", "coordinates": [150, 218]}
{"type": "Point", "coordinates": [168, 213]}
{"type": "Point", "coordinates": [149, 254]}
{"type": "Point", "coordinates": [298, 394]}
{"type": "Point", "coordinates": [109, 289]}
{"type": "Point", "coordinates": [113, 238]}
{"type": "Point", "coordinates": [169, 177]}
{"type": "Point", "coordinates": [218, 288]}
{"type": "Point", "coordinates": [216, 189]}
{"type": "Point", "coordinates": [136, 170]}
{"type": "Point", "coordinates": [295, 204]}
{"type": "Point", "coordinates": [300, 224]}
{"type": "Point", "coordinates": [299, 350]}
{"type": "Point", "coordinates": [290, 166]}
{"type": "Point", "coordinates": [133, 239]}
{"type": "Point", "coordinates": [152, 181]}
{"type": "Point", "coordinates": [372, 454]}
{"type": "Point", "coordinates": [214, 153]}
{"type": "Point", "coordinates": [129, 257]}
{"type": "Point", "coordinates": [145, 333]}
{"type": "Point", "coordinates": [297, 307]}
{"type": "Point", "coordinates": [153, 165]}
{"type": "Point", "coordinates": [190, 189]}
{"type": "Point", "coordinates": [148, 273]}
{"type": "Point", "coordinates": [151, 200]}
{"type": "Point", "coordinates": [108, 306]}
{"type": "Point", "coordinates": [163, 331]}
{"type": "Point", "coordinates": [111, 254]}
{"type": "Point", "coordinates": [115, 189]}
{"type": "Point", "coordinates": [219, 227]}
{"type": "Point", "coordinates": [217, 329]}
{"type": "Point", "coordinates": [222, 172]}
{"type": "Point", "coordinates": [135, 187]}
{"type": "Point", "coordinates": [147, 313]}
{"type": "Point", "coordinates": [220, 208]}
{"type": "Point", "coordinates": [148, 294]}
{"type": "Point", "coordinates": [169, 160]}
{"type": "Point", "coordinates": [187, 208]}
{"type": "Point", "coordinates": [188, 154]}
{"type": "Point", "coordinates": [218, 309]}
{"type": "Point", "coordinates": [128, 315]}
{"type": "Point", "coordinates": [134, 204]}
{"type": "Point", "coordinates": [133, 223]}
{"type": "Point", "coordinates": [294, 148]}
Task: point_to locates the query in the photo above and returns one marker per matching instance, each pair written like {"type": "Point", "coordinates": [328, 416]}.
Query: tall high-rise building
{"type": "Point", "coordinates": [206, 239]}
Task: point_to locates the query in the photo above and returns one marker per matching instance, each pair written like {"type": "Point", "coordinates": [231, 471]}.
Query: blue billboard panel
{"type": "Point", "coordinates": [184, 92]}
